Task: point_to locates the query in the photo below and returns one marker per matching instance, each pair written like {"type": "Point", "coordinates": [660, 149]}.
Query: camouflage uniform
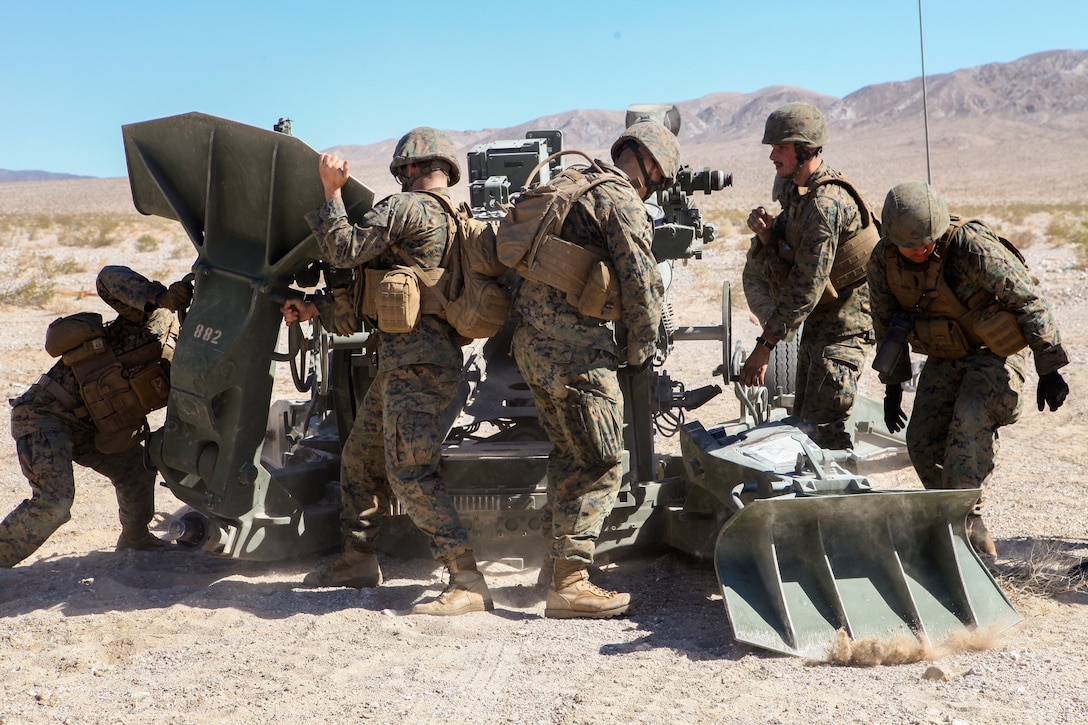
{"type": "Point", "coordinates": [50, 433]}
{"type": "Point", "coordinates": [965, 400]}
{"type": "Point", "coordinates": [394, 447]}
{"type": "Point", "coordinates": [569, 361]}
{"type": "Point", "coordinates": [784, 283]}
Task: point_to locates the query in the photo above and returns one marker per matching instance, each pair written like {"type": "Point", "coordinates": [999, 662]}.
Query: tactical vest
{"type": "Point", "coordinates": [118, 391]}
{"type": "Point", "coordinates": [944, 326]}
{"type": "Point", "coordinates": [392, 298]}
{"type": "Point", "coordinates": [464, 290]}
{"type": "Point", "coordinates": [528, 241]}
{"type": "Point", "coordinates": [852, 252]}
{"type": "Point", "coordinates": [474, 301]}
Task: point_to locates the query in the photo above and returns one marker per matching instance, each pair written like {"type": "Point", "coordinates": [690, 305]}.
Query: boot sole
{"type": "Point", "coordinates": [576, 614]}
{"type": "Point", "coordinates": [489, 606]}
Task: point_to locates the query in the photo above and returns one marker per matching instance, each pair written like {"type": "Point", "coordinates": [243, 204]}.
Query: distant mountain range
{"type": "Point", "coordinates": [997, 132]}
{"type": "Point", "coordinates": [8, 176]}
{"type": "Point", "coordinates": [1003, 131]}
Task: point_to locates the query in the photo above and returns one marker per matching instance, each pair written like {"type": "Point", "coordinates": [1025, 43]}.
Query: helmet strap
{"type": "Point", "coordinates": [648, 184]}
{"type": "Point", "coordinates": [804, 153]}
{"type": "Point", "coordinates": [422, 170]}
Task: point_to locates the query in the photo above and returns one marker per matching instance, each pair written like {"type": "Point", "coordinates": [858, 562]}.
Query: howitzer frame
{"type": "Point", "coordinates": [259, 479]}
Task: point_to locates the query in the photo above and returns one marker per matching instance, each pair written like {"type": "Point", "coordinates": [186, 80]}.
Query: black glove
{"type": "Point", "coordinates": [177, 296]}
{"type": "Point", "coordinates": [894, 417]}
{"type": "Point", "coordinates": [1052, 390]}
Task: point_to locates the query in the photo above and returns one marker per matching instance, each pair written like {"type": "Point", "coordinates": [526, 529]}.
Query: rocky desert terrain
{"type": "Point", "coordinates": [88, 635]}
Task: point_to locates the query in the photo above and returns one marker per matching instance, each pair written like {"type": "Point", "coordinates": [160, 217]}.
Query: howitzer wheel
{"type": "Point", "coordinates": [781, 376]}
{"type": "Point", "coordinates": [727, 333]}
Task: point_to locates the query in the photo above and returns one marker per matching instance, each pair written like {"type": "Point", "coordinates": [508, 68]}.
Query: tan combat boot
{"type": "Point", "coordinates": [466, 592]}
{"type": "Point", "coordinates": [979, 536]}
{"type": "Point", "coordinates": [573, 595]}
{"type": "Point", "coordinates": [357, 568]}
{"type": "Point", "coordinates": [140, 539]}
{"type": "Point", "coordinates": [546, 574]}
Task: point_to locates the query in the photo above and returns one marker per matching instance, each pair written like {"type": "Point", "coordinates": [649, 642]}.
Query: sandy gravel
{"type": "Point", "coordinates": [91, 636]}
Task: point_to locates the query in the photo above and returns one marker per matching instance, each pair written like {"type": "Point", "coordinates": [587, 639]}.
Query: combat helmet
{"type": "Point", "coordinates": [797, 123]}
{"type": "Point", "coordinates": [424, 144]}
{"type": "Point", "coordinates": [914, 216]}
{"type": "Point", "coordinates": [656, 140]}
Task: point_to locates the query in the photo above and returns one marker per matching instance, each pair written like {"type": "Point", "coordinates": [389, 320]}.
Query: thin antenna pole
{"type": "Point", "coordinates": [925, 103]}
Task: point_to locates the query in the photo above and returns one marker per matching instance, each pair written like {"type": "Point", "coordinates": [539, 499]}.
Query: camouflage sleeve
{"type": "Point", "coordinates": [629, 234]}
{"type": "Point", "coordinates": [987, 264]}
{"type": "Point", "coordinates": [124, 289]}
{"type": "Point", "coordinates": [884, 306]}
{"type": "Point", "coordinates": [346, 245]}
{"type": "Point", "coordinates": [822, 220]}
{"type": "Point", "coordinates": [757, 291]}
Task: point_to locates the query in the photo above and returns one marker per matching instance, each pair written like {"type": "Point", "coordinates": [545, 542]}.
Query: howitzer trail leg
{"type": "Point", "coordinates": [466, 592]}
{"type": "Point", "coordinates": [571, 595]}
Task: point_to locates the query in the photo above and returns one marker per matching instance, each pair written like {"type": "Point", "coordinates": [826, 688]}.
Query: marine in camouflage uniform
{"type": "Point", "coordinates": [394, 447]}
{"type": "Point", "coordinates": [570, 362]}
{"type": "Point", "coordinates": [787, 272]}
{"type": "Point", "coordinates": [963, 398]}
{"type": "Point", "coordinates": [52, 429]}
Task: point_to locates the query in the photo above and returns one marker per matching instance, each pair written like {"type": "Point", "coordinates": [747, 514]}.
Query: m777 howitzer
{"type": "Point", "coordinates": [802, 546]}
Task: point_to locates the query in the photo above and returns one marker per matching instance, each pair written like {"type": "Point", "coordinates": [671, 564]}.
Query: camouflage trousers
{"type": "Point", "coordinates": [581, 409]}
{"type": "Point", "coordinates": [959, 405]}
{"type": "Point", "coordinates": [394, 449]}
{"type": "Point", "coordinates": [47, 446]}
{"type": "Point", "coordinates": [827, 386]}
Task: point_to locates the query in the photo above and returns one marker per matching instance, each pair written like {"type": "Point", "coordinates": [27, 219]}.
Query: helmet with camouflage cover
{"type": "Point", "coordinates": [425, 144]}
{"type": "Point", "coordinates": [798, 123]}
{"type": "Point", "coordinates": [656, 140]}
{"type": "Point", "coordinates": [914, 216]}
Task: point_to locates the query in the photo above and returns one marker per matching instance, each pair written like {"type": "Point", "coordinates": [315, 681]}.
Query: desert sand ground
{"type": "Point", "coordinates": [92, 636]}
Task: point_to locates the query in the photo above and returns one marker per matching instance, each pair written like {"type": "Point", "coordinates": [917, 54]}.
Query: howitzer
{"type": "Point", "coordinates": [802, 546]}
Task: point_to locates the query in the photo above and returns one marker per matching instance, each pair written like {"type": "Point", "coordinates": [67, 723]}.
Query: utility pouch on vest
{"type": "Point", "coordinates": [584, 273]}
{"type": "Point", "coordinates": [600, 296]}
{"type": "Point", "coordinates": [940, 338]}
{"type": "Point", "coordinates": [65, 334]}
{"type": "Point", "coordinates": [999, 331]}
{"type": "Point", "coordinates": [366, 294]}
{"type": "Point", "coordinates": [115, 408]}
{"type": "Point", "coordinates": [152, 385]}
{"type": "Point", "coordinates": [481, 309]}
{"type": "Point", "coordinates": [397, 300]}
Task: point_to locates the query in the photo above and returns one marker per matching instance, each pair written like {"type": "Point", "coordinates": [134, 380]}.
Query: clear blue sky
{"type": "Point", "coordinates": [360, 72]}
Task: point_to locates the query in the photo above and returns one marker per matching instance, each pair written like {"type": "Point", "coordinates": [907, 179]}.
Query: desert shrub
{"type": "Point", "coordinates": [183, 250]}
{"type": "Point", "coordinates": [1073, 230]}
{"type": "Point", "coordinates": [1078, 237]}
{"type": "Point", "coordinates": [1050, 569]}
{"type": "Point", "coordinates": [51, 267]}
{"type": "Point", "coordinates": [146, 243]}
{"type": "Point", "coordinates": [43, 271]}
{"type": "Point", "coordinates": [93, 231]}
